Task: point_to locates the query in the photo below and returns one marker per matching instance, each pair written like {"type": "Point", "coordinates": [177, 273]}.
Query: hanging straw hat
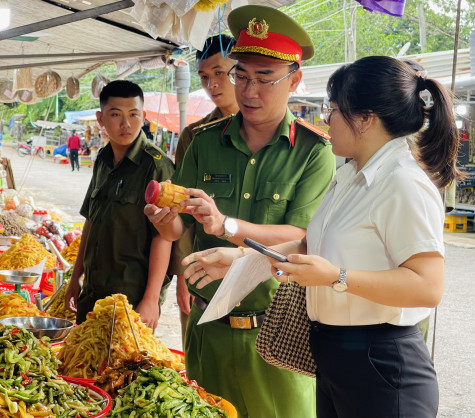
{"type": "Point", "coordinates": [26, 96]}
{"type": "Point", "coordinates": [72, 88]}
{"type": "Point", "coordinates": [23, 80]}
{"type": "Point", "coordinates": [47, 84]}
{"type": "Point", "coordinates": [6, 91]}
{"type": "Point", "coordinates": [98, 84]}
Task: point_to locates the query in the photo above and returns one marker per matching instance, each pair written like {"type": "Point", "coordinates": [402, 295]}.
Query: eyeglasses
{"type": "Point", "coordinates": [241, 81]}
{"type": "Point", "coordinates": [326, 113]}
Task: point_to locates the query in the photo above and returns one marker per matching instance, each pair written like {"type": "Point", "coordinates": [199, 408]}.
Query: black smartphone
{"type": "Point", "coordinates": [266, 250]}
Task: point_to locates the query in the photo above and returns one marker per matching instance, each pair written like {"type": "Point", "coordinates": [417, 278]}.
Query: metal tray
{"type": "Point", "coordinates": [18, 277]}
{"type": "Point", "coordinates": [54, 328]}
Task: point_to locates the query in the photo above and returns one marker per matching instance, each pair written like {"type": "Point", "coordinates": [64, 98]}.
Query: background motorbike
{"type": "Point", "coordinates": [28, 149]}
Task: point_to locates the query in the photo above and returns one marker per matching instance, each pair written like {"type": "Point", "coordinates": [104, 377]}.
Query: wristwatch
{"type": "Point", "coordinates": [230, 226]}
{"type": "Point", "coordinates": [340, 285]}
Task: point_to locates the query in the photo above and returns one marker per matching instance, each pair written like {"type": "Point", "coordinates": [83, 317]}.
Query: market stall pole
{"type": "Point", "coordinates": [182, 79]}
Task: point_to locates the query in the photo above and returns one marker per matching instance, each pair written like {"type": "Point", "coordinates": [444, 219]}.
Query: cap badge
{"type": "Point", "coordinates": [258, 29]}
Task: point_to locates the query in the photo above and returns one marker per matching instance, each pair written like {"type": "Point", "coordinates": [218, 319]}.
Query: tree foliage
{"type": "Point", "coordinates": [376, 34]}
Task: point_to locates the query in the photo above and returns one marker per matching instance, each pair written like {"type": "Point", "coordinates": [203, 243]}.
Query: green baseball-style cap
{"type": "Point", "coordinates": [270, 32]}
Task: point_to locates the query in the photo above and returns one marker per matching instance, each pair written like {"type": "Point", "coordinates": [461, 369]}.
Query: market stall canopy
{"type": "Point", "coordinates": [56, 35]}
{"type": "Point", "coordinates": [80, 115]}
{"type": "Point", "coordinates": [75, 37]}
{"type": "Point", "coordinates": [196, 108]}
{"type": "Point", "coordinates": [53, 125]}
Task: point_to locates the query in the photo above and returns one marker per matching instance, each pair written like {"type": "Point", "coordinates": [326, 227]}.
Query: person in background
{"type": "Point", "coordinates": [373, 256]}
{"type": "Point", "coordinates": [259, 174]}
{"type": "Point", "coordinates": [87, 134]}
{"type": "Point", "coordinates": [120, 251]}
{"type": "Point", "coordinates": [146, 130]}
{"type": "Point", "coordinates": [213, 66]}
{"type": "Point", "coordinates": [85, 150]}
{"type": "Point", "coordinates": [73, 146]}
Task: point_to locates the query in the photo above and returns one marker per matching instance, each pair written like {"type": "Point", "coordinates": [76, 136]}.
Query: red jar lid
{"type": "Point", "coordinates": [152, 191]}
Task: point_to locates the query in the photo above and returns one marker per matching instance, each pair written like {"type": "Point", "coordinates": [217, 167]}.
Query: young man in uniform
{"type": "Point", "coordinates": [270, 175]}
{"type": "Point", "coordinates": [213, 66]}
{"type": "Point", "coordinates": [120, 252]}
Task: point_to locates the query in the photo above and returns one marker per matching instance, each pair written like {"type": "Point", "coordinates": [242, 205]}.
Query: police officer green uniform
{"type": "Point", "coordinates": [116, 257]}
{"type": "Point", "coordinates": [282, 183]}
{"type": "Point", "coordinates": [184, 245]}
{"type": "Point", "coordinates": [188, 134]}
{"type": "Point", "coordinates": [260, 174]}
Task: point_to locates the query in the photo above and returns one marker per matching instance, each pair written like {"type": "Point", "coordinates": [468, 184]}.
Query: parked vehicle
{"type": "Point", "coordinates": [28, 149]}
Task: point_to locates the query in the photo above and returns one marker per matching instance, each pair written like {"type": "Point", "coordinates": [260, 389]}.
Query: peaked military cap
{"type": "Point", "coordinates": [270, 32]}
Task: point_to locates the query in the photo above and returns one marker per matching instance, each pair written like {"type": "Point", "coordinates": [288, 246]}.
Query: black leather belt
{"type": "Point", "coordinates": [239, 322]}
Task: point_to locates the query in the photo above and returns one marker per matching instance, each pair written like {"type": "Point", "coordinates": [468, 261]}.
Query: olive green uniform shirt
{"type": "Point", "coordinates": [188, 134]}
{"type": "Point", "coordinates": [184, 246]}
{"type": "Point", "coordinates": [281, 183]}
{"type": "Point", "coordinates": [116, 258]}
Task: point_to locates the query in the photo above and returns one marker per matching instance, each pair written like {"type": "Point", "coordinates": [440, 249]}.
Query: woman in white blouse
{"type": "Point", "coordinates": [373, 257]}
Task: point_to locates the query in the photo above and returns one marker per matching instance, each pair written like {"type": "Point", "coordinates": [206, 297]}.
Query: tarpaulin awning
{"type": "Point", "coordinates": [196, 108]}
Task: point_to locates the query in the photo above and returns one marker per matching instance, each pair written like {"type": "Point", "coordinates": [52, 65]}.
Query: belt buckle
{"type": "Point", "coordinates": [241, 322]}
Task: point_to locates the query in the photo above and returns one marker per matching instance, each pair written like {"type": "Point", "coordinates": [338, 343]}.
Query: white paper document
{"type": "Point", "coordinates": [241, 279]}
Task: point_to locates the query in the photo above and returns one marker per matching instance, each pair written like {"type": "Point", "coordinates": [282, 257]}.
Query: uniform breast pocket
{"type": "Point", "coordinates": [217, 191]}
{"type": "Point", "coordinates": [95, 205]}
{"type": "Point", "coordinates": [128, 206]}
{"type": "Point", "coordinates": [273, 199]}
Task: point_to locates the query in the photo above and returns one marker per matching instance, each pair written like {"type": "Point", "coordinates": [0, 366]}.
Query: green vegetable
{"type": "Point", "coordinates": [28, 372]}
{"type": "Point", "coordinates": [161, 392]}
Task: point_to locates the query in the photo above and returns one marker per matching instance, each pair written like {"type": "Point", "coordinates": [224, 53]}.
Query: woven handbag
{"type": "Point", "coordinates": [283, 340]}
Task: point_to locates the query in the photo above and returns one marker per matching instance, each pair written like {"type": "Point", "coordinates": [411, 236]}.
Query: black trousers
{"type": "Point", "coordinates": [74, 158]}
{"type": "Point", "coordinates": [374, 371]}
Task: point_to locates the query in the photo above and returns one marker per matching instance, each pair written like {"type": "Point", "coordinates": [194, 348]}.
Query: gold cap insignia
{"type": "Point", "coordinates": [258, 29]}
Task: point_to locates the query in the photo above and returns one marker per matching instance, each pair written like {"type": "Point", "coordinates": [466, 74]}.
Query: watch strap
{"type": "Point", "coordinates": [226, 234]}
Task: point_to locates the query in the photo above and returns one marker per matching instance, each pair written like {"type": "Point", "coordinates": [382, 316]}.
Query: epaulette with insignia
{"type": "Point", "coordinates": [313, 128]}
{"type": "Point", "coordinates": [207, 125]}
{"type": "Point", "coordinates": [155, 152]}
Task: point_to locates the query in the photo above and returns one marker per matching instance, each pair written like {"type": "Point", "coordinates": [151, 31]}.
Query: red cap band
{"type": "Point", "coordinates": [274, 45]}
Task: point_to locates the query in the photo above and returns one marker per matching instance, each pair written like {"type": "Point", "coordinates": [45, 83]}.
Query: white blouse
{"type": "Point", "coordinates": [374, 219]}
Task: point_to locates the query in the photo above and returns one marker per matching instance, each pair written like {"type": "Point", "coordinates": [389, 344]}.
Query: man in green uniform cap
{"type": "Point", "coordinates": [120, 252]}
{"type": "Point", "coordinates": [260, 174]}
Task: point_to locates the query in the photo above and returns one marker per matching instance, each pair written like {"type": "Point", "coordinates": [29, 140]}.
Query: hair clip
{"type": "Point", "coordinates": [421, 73]}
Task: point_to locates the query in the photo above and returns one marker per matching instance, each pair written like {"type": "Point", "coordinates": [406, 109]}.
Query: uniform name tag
{"type": "Point", "coordinates": [217, 178]}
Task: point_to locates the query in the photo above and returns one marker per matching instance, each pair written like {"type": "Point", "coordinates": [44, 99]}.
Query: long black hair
{"type": "Point", "coordinates": [391, 90]}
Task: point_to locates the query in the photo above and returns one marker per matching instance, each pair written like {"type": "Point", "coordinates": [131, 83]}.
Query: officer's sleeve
{"type": "Point", "coordinates": [186, 175]}
{"type": "Point", "coordinates": [183, 143]}
{"type": "Point", "coordinates": [312, 186]}
{"type": "Point", "coordinates": [163, 170]}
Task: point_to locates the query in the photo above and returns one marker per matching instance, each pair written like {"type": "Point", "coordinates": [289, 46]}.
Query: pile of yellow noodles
{"type": "Point", "coordinates": [86, 347]}
{"type": "Point", "coordinates": [57, 307]}
{"type": "Point", "coordinates": [26, 253]}
{"type": "Point", "coordinates": [70, 253]}
{"type": "Point", "coordinates": [14, 305]}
